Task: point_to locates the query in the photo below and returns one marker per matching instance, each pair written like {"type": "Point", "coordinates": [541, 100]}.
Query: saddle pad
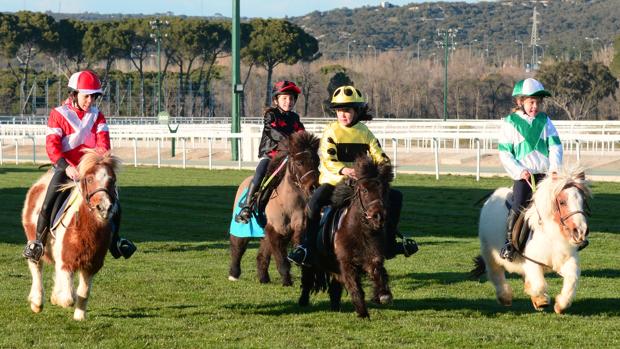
{"type": "Point", "coordinates": [520, 233]}
{"type": "Point", "coordinates": [250, 230]}
{"type": "Point", "coordinates": [69, 206]}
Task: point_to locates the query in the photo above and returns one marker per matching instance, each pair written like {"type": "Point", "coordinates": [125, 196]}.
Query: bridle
{"type": "Point", "coordinates": [366, 207]}
{"type": "Point", "coordinates": [586, 211]}
{"type": "Point", "coordinates": [297, 179]}
{"type": "Point", "coordinates": [89, 195]}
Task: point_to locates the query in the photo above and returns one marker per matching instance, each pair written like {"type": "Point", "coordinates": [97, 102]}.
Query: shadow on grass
{"type": "Point", "coordinates": [485, 307]}
{"type": "Point", "coordinates": [202, 213]}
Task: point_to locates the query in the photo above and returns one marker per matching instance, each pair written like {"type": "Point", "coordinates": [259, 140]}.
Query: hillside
{"type": "Point", "coordinates": [563, 26]}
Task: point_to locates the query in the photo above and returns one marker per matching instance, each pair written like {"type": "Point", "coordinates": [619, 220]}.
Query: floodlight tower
{"type": "Point", "coordinates": [534, 38]}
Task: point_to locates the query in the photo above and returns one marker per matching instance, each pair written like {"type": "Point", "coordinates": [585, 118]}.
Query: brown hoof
{"type": "Point", "coordinates": [540, 302]}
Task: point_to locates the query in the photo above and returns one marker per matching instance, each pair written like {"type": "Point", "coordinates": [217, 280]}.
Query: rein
{"type": "Point", "coordinates": [364, 207]}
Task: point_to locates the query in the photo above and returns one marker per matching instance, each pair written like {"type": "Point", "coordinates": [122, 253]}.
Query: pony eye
{"type": "Point", "coordinates": [298, 163]}
{"type": "Point", "coordinates": [89, 180]}
{"type": "Point", "coordinates": [562, 203]}
{"type": "Point", "coordinates": [365, 191]}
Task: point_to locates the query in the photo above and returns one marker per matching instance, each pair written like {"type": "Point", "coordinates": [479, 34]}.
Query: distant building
{"type": "Point", "coordinates": [386, 4]}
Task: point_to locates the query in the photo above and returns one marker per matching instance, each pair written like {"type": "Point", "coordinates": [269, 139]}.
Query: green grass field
{"type": "Point", "coordinates": [174, 292]}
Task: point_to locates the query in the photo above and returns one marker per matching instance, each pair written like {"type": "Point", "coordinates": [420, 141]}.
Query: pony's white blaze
{"type": "Point", "coordinates": [552, 245]}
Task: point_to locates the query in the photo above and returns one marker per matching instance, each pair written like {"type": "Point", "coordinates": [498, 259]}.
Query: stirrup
{"type": "Point", "coordinates": [298, 256]}
{"type": "Point", "coordinates": [409, 247]}
{"type": "Point", "coordinates": [122, 248]}
{"type": "Point", "coordinates": [583, 245]}
{"type": "Point", "coordinates": [507, 252]}
{"type": "Point", "coordinates": [244, 215]}
{"type": "Point", "coordinates": [33, 250]}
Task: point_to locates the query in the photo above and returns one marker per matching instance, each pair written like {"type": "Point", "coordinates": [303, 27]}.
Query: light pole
{"type": "Point", "coordinates": [157, 25]}
{"type": "Point", "coordinates": [374, 49]}
{"type": "Point", "coordinates": [419, 41]}
{"type": "Point", "coordinates": [592, 43]}
{"type": "Point", "coordinates": [522, 56]}
{"type": "Point", "coordinates": [449, 33]}
{"type": "Point", "coordinates": [349, 49]}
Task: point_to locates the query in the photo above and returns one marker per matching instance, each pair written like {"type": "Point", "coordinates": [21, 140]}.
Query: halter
{"type": "Point", "coordinates": [585, 212]}
{"type": "Point", "coordinates": [89, 195]}
{"type": "Point", "coordinates": [366, 207]}
{"type": "Point", "coordinates": [297, 180]}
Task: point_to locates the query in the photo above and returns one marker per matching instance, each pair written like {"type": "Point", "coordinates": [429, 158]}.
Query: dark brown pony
{"type": "Point", "coordinates": [356, 245]}
{"type": "Point", "coordinates": [79, 242]}
{"type": "Point", "coordinates": [285, 210]}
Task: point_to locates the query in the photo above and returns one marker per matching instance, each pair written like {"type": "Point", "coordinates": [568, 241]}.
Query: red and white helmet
{"type": "Point", "coordinates": [85, 82]}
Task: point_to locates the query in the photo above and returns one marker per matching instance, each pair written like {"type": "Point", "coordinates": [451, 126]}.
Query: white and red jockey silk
{"type": "Point", "coordinates": [70, 130]}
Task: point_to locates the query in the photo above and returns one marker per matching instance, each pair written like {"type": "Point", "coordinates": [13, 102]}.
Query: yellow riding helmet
{"type": "Point", "coordinates": [347, 97]}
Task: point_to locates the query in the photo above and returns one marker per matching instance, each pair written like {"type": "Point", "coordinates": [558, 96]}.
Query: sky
{"type": "Point", "coordinates": [249, 8]}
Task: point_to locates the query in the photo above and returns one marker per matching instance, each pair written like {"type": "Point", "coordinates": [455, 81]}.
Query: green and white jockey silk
{"type": "Point", "coordinates": [531, 144]}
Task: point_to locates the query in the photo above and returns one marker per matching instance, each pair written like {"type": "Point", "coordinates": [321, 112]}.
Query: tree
{"type": "Point", "coordinates": [70, 53]}
{"type": "Point", "coordinates": [615, 63]}
{"type": "Point", "coordinates": [577, 87]}
{"type": "Point", "coordinates": [106, 41]}
{"type": "Point", "coordinates": [277, 41]}
{"type": "Point", "coordinates": [139, 32]}
{"type": "Point", "coordinates": [27, 34]}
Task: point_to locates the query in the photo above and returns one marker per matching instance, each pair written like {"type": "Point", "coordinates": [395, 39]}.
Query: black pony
{"type": "Point", "coordinates": [352, 240]}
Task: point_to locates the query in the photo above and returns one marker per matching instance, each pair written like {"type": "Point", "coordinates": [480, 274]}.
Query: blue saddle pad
{"type": "Point", "coordinates": [250, 230]}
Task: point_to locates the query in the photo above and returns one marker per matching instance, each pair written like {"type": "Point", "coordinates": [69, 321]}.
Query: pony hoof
{"type": "Point", "coordinates": [264, 280]}
{"type": "Point", "coordinates": [385, 299]}
{"type": "Point", "coordinates": [540, 303]}
{"type": "Point", "coordinates": [36, 308]}
{"type": "Point", "coordinates": [558, 309]}
{"type": "Point", "coordinates": [287, 283]}
{"type": "Point", "coordinates": [232, 278]}
{"type": "Point", "coordinates": [364, 315]}
{"type": "Point", "coordinates": [79, 315]}
{"type": "Point", "coordinates": [507, 302]}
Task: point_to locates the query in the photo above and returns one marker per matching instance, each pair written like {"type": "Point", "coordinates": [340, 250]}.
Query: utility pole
{"type": "Point", "coordinates": [237, 87]}
{"type": "Point", "coordinates": [446, 34]}
{"type": "Point", "coordinates": [157, 25]}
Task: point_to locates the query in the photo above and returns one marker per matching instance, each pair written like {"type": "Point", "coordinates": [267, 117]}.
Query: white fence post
{"type": "Point", "coordinates": [159, 142]}
{"type": "Point", "coordinates": [184, 155]}
{"type": "Point", "coordinates": [210, 153]}
{"type": "Point", "coordinates": [394, 146]}
{"type": "Point", "coordinates": [135, 152]}
{"type": "Point", "coordinates": [16, 152]}
{"type": "Point", "coordinates": [1, 155]}
{"type": "Point", "coordinates": [578, 149]}
{"type": "Point", "coordinates": [477, 140]}
{"type": "Point", "coordinates": [436, 151]}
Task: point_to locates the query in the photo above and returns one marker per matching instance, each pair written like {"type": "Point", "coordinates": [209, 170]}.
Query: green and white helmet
{"type": "Point", "coordinates": [530, 88]}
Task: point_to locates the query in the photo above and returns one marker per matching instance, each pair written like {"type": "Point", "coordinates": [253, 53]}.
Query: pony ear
{"type": "Point", "coordinates": [580, 176]}
{"type": "Point", "coordinates": [386, 172]}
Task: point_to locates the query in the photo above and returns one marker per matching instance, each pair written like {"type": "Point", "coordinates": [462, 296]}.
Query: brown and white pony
{"type": "Point", "coordinates": [79, 242]}
{"type": "Point", "coordinates": [557, 218]}
{"type": "Point", "coordinates": [285, 210]}
{"type": "Point", "coordinates": [357, 243]}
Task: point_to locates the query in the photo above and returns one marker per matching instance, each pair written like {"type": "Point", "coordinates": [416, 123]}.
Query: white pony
{"type": "Point", "coordinates": [557, 219]}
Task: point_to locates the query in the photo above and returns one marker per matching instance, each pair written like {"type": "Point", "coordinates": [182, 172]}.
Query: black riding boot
{"type": "Point", "coordinates": [120, 246]}
{"type": "Point", "coordinates": [34, 249]}
{"type": "Point", "coordinates": [245, 214]}
{"type": "Point", "coordinates": [302, 253]}
{"type": "Point", "coordinates": [393, 247]}
{"type": "Point", "coordinates": [508, 250]}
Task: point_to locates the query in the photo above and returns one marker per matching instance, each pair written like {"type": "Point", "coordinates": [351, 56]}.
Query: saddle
{"type": "Point", "coordinates": [520, 232]}
{"type": "Point", "coordinates": [329, 224]}
{"type": "Point", "coordinates": [66, 201]}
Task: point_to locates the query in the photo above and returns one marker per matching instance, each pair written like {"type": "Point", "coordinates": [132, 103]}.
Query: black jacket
{"type": "Point", "coordinates": [278, 125]}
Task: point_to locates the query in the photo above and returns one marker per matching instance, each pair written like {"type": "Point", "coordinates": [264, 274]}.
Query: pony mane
{"type": "Point", "coordinates": [92, 158]}
{"type": "Point", "coordinates": [365, 168]}
{"type": "Point", "coordinates": [295, 143]}
{"type": "Point", "coordinates": [549, 188]}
